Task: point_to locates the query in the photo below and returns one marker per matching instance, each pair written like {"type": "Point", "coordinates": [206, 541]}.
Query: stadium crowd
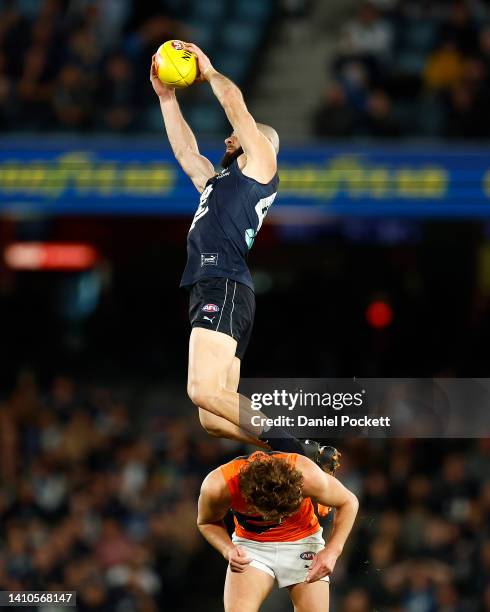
{"type": "Point", "coordinates": [403, 68]}
{"type": "Point", "coordinates": [80, 65]}
{"type": "Point", "coordinates": [410, 68]}
{"type": "Point", "coordinates": [98, 489]}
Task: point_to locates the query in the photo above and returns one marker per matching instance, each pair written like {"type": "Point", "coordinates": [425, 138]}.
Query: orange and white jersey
{"type": "Point", "coordinates": [252, 526]}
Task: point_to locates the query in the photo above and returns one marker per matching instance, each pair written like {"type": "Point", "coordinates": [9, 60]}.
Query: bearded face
{"type": "Point", "coordinates": [230, 156]}
{"type": "Point", "coordinates": [233, 150]}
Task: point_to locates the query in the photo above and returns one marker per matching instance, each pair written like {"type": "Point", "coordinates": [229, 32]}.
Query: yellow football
{"type": "Point", "coordinates": [176, 66]}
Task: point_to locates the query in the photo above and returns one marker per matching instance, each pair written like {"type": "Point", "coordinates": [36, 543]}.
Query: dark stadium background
{"type": "Point", "coordinates": [101, 455]}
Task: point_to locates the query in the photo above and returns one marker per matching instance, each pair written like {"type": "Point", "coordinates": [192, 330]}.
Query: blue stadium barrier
{"type": "Point", "coordinates": [119, 176]}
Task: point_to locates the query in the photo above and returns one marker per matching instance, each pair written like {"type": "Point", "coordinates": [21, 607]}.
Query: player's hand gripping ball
{"type": "Point", "coordinates": [176, 66]}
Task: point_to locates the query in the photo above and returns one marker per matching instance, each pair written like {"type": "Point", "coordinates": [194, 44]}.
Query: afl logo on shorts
{"type": "Point", "coordinates": [307, 556]}
{"type": "Point", "coordinates": [176, 44]}
{"type": "Point", "coordinates": [210, 308]}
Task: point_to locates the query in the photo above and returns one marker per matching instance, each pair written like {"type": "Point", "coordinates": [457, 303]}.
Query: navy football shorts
{"type": "Point", "coordinates": [224, 305]}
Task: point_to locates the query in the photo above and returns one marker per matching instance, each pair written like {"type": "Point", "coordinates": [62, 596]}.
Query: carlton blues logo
{"type": "Point", "coordinates": [210, 308]}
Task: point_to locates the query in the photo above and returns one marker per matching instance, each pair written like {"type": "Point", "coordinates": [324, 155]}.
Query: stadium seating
{"type": "Point", "coordinates": [231, 35]}
{"type": "Point", "coordinates": [208, 12]}
{"type": "Point", "coordinates": [253, 10]}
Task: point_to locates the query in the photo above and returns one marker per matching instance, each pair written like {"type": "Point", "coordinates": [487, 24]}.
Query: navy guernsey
{"type": "Point", "coordinates": [231, 210]}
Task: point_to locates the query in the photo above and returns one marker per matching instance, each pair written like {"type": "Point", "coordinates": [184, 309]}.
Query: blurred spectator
{"type": "Point", "coordinates": [106, 19]}
{"type": "Point", "coordinates": [368, 35]}
{"type": "Point", "coordinates": [84, 51]}
{"type": "Point", "coordinates": [113, 547]}
{"type": "Point", "coordinates": [416, 68]}
{"type": "Point", "coordinates": [72, 99]}
{"type": "Point", "coordinates": [447, 599]}
{"type": "Point", "coordinates": [334, 118]}
{"type": "Point", "coordinates": [118, 94]}
{"type": "Point", "coordinates": [296, 19]}
{"type": "Point", "coordinates": [444, 67]}
{"type": "Point", "coordinates": [14, 36]}
{"type": "Point", "coordinates": [6, 94]}
{"type": "Point", "coordinates": [463, 117]}
{"type": "Point", "coordinates": [460, 28]}
{"type": "Point", "coordinates": [34, 89]}
{"type": "Point", "coordinates": [420, 596]}
{"type": "Point", "coordinates": [485, 50]}
{"type": "Point", "coordinates": [380, 122]}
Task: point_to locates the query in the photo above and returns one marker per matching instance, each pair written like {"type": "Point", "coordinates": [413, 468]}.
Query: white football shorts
{"type": "Point", "coordinates": [287, 562]}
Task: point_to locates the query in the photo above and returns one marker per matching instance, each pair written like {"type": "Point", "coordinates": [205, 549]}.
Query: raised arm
{"type": "Point", "coordinates": [261, 153]}
{"type": "Point", "coordinates": [182, 140]}
{"type": "Point", "coordinates": [328, 491]}
{"type": "Point", "coordinates": [213, 504]}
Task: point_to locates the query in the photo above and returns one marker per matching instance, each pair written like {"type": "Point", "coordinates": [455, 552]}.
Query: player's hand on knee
{"type": "Point", "coordinates": [238, 559]}
{"type": "Point", "coordinates": [322, 565]}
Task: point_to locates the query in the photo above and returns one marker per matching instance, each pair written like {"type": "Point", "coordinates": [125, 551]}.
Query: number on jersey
{"type": "Point", "coordinates": [202, 209]}
{"type": "Point", "coordinates": [261, 209]}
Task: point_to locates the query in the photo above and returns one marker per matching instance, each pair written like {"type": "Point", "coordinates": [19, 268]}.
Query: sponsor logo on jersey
{"type": "Point", "coordinates": [307, 556]}
{"type": "Point", "coordinates": [223, 173]}
{"type": "Point", "coordinates": [177, 44]}
{"type": "Point", "coordinates": [209, 259]}
{"type": "Point", "coordinates": [210, 308]}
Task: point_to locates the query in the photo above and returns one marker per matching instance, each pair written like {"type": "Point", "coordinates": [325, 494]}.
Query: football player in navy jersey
{"type": "Point", "coordinates": [232, 207]}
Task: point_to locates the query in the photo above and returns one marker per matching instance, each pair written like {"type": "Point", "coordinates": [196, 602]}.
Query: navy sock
{"type": "Point", "coordinates": [280, 440]}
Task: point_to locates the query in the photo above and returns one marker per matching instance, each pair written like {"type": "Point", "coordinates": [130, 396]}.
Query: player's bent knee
{"type": "Point", "coordinates": [210, 423]}
{"type": "Point", "coordinates": [202, 395]}
{"type": "Point", "coordinates": [196, 393]}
